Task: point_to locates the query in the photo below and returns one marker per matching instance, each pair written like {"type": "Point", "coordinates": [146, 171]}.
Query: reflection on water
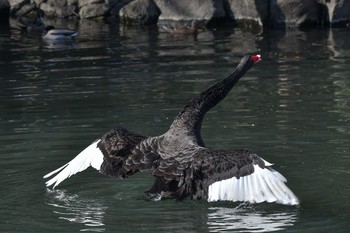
{"type": "Point", "coordinates": [91, 214]}
{"type": "Point", "coordinates": [72, 208]}
{"type": "Point", "coordinates": [60, 45]}
{"type": "Point", "coordinates": [244, 218]}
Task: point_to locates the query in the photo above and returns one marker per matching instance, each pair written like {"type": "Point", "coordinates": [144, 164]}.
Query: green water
{"type": "Point", "coordinates": [292, 109]}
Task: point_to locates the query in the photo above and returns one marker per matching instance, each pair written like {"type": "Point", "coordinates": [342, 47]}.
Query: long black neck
{"type": "Point", "coordinates": [189, 121]}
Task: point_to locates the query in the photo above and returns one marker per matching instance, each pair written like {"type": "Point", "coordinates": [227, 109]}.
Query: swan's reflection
{"type": "Point", "coordinates": [90, 214]}
{"type": "Point", "coordinates": [72, 208]}
{"type": "Point", "coordinates": [244, 218]}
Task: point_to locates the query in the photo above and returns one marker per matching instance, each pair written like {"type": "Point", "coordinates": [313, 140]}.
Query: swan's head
{"type": "Point", "coordinates": [255, 58]}
{"type": "Point", "coordinates": [247, 62]}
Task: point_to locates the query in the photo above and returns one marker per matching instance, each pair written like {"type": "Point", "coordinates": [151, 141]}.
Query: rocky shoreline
{"type": "Point", "coordinates": [263, 13]}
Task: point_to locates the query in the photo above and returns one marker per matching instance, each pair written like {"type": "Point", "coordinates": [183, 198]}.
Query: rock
{"type": "Point", "coordinates": [265, 13]}
{"type": "Point", "coordinates": [26, 10]}
{"type": "Point", "coordinates": [337, 12]}
{"type": "Point", "coordinates": [140, 12]}
{"type": "Point", "coordinates": [16, 6]}
{"type": "Point", "coordinates": [249, 10]}
{"type": "Point", "coordinates": [183, 29]}
{"type": "Point", "coordinates": [295, 13]}
{"type": "Point", "coordinates": [60, 9]}
{"type": "Point", "coordinates": [72, 8]}
{"type": "Point", "coordinates": [92, 8]}
{"type": "Point", "coordinates": [190, 9]}
{"type": "Point", "coordinates": [116, 6]}
{"type": "Point", "coordinates": [4, 11]}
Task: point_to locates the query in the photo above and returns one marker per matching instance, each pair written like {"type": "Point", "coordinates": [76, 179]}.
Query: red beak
{"type": "Point", "coordinates": [256, 58]}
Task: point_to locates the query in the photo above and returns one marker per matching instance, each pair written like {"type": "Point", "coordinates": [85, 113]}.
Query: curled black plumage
{"type": "Point", "coordinates": [178, 159]}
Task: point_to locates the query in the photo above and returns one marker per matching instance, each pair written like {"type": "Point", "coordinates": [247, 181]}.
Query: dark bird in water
{"type": "Point", "coordinates": [37, 24]}
{"type": "Point", "coordinates": [58, 34]}
{"type": "Point", "coordinates": [182, 166]}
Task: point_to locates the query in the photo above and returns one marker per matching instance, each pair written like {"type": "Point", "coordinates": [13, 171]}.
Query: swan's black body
{"type": "Point", "coordinates": [183, 167]}
{"type": "Point", "coordinates": [180, 162]}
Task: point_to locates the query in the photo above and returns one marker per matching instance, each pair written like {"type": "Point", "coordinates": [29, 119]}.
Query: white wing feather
{"type": "Point", "coordinates": [262, 185]}
{"type": "Point", "coordinates": [90, 156]}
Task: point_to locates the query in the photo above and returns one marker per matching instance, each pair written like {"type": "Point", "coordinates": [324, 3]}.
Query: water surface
{"type": "Point", "coordinates": [292, 109]}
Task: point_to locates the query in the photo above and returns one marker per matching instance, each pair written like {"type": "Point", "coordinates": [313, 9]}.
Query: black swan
{"type": "Point", "coordinates": [182, 166]}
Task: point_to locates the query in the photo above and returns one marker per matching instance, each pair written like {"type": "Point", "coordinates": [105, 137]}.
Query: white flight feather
{"type": "Point", "coordinates": [262, 185]}
{"type": "Point", "coordinates": [90, 156]}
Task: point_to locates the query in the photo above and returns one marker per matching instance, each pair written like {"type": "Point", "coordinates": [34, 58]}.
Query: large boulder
{"type": "Point", "coordinates": [249, 11]}
{"type": "Point", "coordinates": [140, 12]}
{"type": "Point", "coordinates": [92, 8]}
{"type": "Point", "coordinates": [295, 13]}
{"type": "Point", "coordinates": [20, 7]}
{"type": "Point", "coordinates": [275, 13]}
{"type": "Point", "coordinates": [189, 10]}
{"type": "Point", "coordinates": [73, 8]}
{"type": "Point", "coordinates": [337, 12]}
{"type": "Point", "coordinates": [116, 6]}
{"type": "Point", "coordinates": [60, 9]}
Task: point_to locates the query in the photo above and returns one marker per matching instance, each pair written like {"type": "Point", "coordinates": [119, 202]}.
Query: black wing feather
{"type": "Point", "coordinates": [190, 175]}
{"type": "Point", "coordinates": [117, 145]}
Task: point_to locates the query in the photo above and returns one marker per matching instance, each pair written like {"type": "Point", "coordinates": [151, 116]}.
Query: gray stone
{"type": "Point", "coordinates": [90, 2]}
{"type": "Point", "coordinates": [60, 9]}
{"type": "Point", "coordinates": [16, 6]}
{"type": "Point", "coordinates": [249, 10]}
{"type": "Point", "coordinates": [72, 2]}
{"type": "Point", "coordinates": [190, 9]}
{"type": "Point", "coordinates": [92, 8]}
{"type": "Point", "coordinates": [140, 12]}
{"type": "Point", "coordinates": [295, 13]}
{"type": "Point", "coordinates": [276, 13]}
{"type": "Point", "coordinates": [24, 10]}
{"type": "Point", "coordinates": [51, 9]}
{"type": "Point", "coordinates": [116, 6]}
{"type": "Point", "coordinates": [37, 2]}
{"type": "Point", "coordinates": [338, 11]}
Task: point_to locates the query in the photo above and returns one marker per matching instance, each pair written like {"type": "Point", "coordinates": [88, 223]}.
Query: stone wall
{"type": "Point", "coordinates": [265, 13]}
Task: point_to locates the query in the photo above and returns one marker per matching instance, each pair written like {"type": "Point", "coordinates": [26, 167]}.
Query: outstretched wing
{"type": "Point", "coordinates": [241, 176]}
{"type": "Point", "coordinates": [90, 156]}
{"type": "Point", "coordinates": [107, 155]}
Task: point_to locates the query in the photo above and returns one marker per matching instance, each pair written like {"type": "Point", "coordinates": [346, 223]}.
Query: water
{"type": "Point", "coordinates": [292, 109]}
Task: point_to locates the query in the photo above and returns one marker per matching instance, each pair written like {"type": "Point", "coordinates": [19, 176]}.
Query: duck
{"type": "Point", "coordinates": [182, 166]}
{"type": "Point", "coordinates": [36, 24]}
{"type": "Point", "coordinates": [51, 33]}
{"type": "Point", "coordinates": [181, 30]}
